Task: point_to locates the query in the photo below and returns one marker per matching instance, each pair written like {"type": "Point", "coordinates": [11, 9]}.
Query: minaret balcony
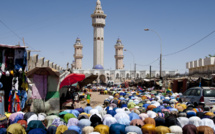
{"type": "Point", "coordinates": [119, 56]}
{"type": "Point", "coordinates": [119, 46]}
{"type": "Point", "coordinates": [78, 46]}
{"type": "Point", "coordinates": [78, 55]}
{"type": "Point", "coordinates": [98, 21]}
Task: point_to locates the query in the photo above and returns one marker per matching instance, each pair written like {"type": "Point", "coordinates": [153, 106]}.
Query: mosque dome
{"type": "Point", "coordinates": [98, 67]}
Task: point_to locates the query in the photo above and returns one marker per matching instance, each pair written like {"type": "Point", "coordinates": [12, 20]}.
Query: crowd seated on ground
{"type": "Point", "coordinates": [123, 112]}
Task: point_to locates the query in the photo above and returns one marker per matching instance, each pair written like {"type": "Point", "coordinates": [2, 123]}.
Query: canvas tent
{"type": "Point", "coordinates": [44, 83]}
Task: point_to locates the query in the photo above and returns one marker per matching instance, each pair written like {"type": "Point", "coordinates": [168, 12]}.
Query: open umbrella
{"type": "Point", "coordinates": [71, 79]}
{"type": "Point", "coordinates": [88, 80]}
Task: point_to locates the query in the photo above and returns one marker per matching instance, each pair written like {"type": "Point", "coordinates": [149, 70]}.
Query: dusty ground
{"type": "Point", "coordinates": [95, 99]}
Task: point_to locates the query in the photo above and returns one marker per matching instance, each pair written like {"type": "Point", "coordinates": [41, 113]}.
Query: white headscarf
{"type": "Point", "coordinates": [32, 117]}
{"type": "Point", "coordinates": [41, 116]}
{"type": "Point", "coordinates": [176, 129]}
{"type": "Point", "coordinates": [195, 121]}
{"type": "Point", "coordinates": [110, 97]}
{"type": "Point", "coordinates": [136, 101]}
{"type": "Point", "coordinates": [143, 116]}
{"type": "Point", "coordinates": [107, 115]}
{"type": "Point", "coordinates": [207, 122]}
{"type": "Point", "coordinates": [109, 121]}
{"type": "Point", "coordinates": [94, 111]}
{"type": "Point", "coordinates": [151, 114]}
{"type": "Point", "coordinates": [94, 133]}
{"type": "Point", "coordinates": [121, 116]}
{"type": "Point", "coordinates": [157, 104]}
{"type": "Point", "coordinates": [183, 121]}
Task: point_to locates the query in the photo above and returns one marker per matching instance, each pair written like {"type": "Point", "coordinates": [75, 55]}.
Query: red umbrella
{"type": "Point", "coordinates": [71, 79]}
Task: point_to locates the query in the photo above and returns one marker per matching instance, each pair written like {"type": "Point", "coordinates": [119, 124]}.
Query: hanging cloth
{"type": "Point", "coordinates": [14, 101]}
{"type": "Point", "coordinates": [39, 88]}
{"type": "Point", "coordinates": [24, 97]}
{"type": "Point", "coordinates": [24, 82]}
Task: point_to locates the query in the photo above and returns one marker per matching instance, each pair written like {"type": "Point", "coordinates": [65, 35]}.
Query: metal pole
{"type": "Point", "coordinates": [150, 73]}
{"type": "Point", "coordinates": [160, 66]}
{"type": "Point", "coordinates": [134, 70]}
{"type": "Point", "coordinates": [160, 49]}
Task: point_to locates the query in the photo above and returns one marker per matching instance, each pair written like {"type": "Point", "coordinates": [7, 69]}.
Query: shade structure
{"type": "Point", "coordinates": [88, 80]}
{"type": "Point", "coordinates": [71, 79]}
{"type": "Point", "coordinates": [42, 71]}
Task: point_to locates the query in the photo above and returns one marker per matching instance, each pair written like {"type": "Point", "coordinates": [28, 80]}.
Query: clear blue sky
{"type": "Point", "coordinates": [52, 27]}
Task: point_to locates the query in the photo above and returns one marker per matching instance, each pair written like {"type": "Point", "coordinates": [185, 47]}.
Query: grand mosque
{"type": "Point", "coordinates": [119, 74]}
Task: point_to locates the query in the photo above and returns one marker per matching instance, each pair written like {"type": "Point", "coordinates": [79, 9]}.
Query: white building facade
{"type": "Point", "coordinates": [98, 23]}
{"type": "Point", "coordinates": [119, 54]}
{"type": "Point", "coordinates": [206, 65]}
{"type": "Point", "coordinates": [119, 74]}
{"type": "Point", "coordinates": [78, 54]}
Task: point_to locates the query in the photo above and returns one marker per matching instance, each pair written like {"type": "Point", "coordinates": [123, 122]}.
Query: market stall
{"type": "Point", "coordinates": [44, 83]}
{"type": "Point", "coordinates": [13, 61]}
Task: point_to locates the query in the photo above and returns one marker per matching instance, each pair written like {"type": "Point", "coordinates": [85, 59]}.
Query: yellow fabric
{"type": "Point", "coordinates": [16, 128]}
{"type": "Point", "coordinates": [210, 114]}
{"type": "Point", "coordinates": [61, 129]}
{"type": "Point", "coordinates": [180, 108]}
{"type": "Point", "coordinates": [7, 115]}
{"type": "Point", "coordinates": [162, 130]}
{"type": "Point", "coordinates": [11, 72]}
{"type": "Point", "coordinates": [25, 86]}
{"type": "Point", "coordinates": [148, 129]}
{"type": "Point", "coordinates": [144, 97]}
{"type": "Point", "coordinates": [105, 92]}
{"type": "Point", "coordinates": [195, 110]}
{"type": "Point", "coordinates": [184, 106]}
{"type": "Point", "coordinates": [85, 114]}
{"type": "Point", "coordinates": [178, 104]}
{"type": "Point", "coordinates": [102, 129]}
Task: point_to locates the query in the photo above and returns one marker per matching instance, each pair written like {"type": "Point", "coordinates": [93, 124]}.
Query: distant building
{"type": "Point", "coordinates": [119, 54]}
{"type": "Point", "coordinates": [119, 74]}
{"type": "Point", "coordinates": [78, 54]}
{"type": "Point", "coordinates": [202, 66]}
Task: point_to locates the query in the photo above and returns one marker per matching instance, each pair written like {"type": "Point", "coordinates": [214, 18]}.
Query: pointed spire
{"type": "Point", "coordinates": [98, 2]}
{"type": "Point", "coordinates": [78, 40]}
{"type": "Point", "coordinates": [118, 42]}
{"type": "Point", "coordinates": [98, 7]}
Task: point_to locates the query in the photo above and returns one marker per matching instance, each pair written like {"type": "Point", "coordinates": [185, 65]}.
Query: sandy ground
{"type": "Point", "coordinates": [95, 99]}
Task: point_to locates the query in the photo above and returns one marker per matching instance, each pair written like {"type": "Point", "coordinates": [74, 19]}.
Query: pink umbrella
{"type": "Point", "coordinates": [71, 79]}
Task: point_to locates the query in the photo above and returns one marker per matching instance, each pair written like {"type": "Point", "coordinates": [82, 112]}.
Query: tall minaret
{"type": "Point", "coordinates": [78, 54]}
{"type": "Point", "coordinates": [98, 23]}
{"type": "Point", "coordinates": [119, 54]}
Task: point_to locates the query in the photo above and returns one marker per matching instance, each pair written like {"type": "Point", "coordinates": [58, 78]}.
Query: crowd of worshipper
{"type": "Point", "coordinates": [121, 113]}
